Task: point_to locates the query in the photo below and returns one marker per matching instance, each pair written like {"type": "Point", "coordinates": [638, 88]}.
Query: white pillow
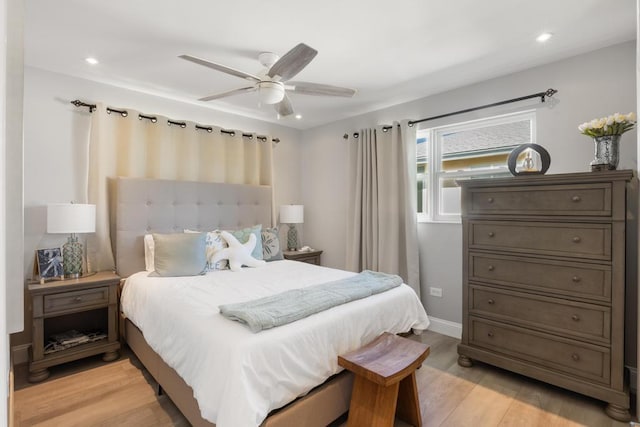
{"type": "Point", "coordinates": [213, 243]}
{"type": "Point", "coordinates": [149, 249]}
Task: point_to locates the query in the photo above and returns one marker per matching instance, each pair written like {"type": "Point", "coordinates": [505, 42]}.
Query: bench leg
{"type": "Point", "coordinates": [372, 405]}
{"type": "Point", "coordinates": [408, 402]}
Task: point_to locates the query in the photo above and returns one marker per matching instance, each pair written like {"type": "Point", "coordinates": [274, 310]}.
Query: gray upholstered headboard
{"type": "Point", "coordinates": [139, 206]}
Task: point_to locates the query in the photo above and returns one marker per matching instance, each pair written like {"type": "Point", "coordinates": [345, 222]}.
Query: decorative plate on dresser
{"type": "Point", "coordinates": [544, 280]}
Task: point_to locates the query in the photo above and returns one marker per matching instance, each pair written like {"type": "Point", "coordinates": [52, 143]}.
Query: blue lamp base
{"type": "Point", "coordinates": [292, 238]}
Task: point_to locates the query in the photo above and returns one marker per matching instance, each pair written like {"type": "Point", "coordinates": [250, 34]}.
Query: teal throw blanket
{"type": "Point", "coordinates": [295, 304]}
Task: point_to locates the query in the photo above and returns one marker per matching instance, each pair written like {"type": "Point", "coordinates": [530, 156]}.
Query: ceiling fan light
{"type": "Point", "coordinates": [271, 92]}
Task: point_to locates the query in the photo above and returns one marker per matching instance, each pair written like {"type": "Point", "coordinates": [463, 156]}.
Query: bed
{"type": "Point", "coordinates": [216, 370]}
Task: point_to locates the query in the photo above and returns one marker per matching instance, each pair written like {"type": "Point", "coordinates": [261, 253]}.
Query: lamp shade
{"type": "Point", "coordinates": [292, 214]}
{"type": "Point", "coordinates": [71, 218]}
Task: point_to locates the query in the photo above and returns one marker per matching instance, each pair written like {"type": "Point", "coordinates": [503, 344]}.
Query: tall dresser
{"type": "Point", "coordinates": [544, 280]}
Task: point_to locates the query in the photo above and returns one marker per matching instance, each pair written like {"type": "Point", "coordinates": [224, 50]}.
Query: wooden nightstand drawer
{"type": "Point", "coordinates": [56, 303]}
{"type": "Point", "coordinates": [573, 279]}
{"type": "Point", "coordinates": [552, 314]}
{"type": "Point", "coordinates": [561, 239]}
{"type": "Point", "coordinates": [587, 199]}
{"type": "Point", "coordinates": [561, 354]}
{"type": "Point", "coordinates": [310, 257]}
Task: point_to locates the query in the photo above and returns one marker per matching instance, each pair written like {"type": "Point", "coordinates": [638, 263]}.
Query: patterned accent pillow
{"type": "Point", "coordinates": [243, 236]}
{"type": "Point", "coordinates": [213, 243]}
{"type": "Point", "coordinates": [271, 250]}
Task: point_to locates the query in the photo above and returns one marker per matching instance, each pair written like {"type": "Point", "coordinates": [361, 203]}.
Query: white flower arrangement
{"type": "Point", "coordinates": [615, 124]}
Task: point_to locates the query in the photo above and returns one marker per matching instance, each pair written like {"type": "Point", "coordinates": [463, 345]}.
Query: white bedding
{"type": "Point", "coordinates": [237, 376]}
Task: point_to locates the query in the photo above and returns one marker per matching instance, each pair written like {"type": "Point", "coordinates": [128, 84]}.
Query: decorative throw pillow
{"type": "Point", "coordinates": [243, 236]}
{"type": "Point", "coordinates": [271, 250]}
{"type": "Point", "coordinates": [213, 243]}
{"type": "Point", "coordinates": [237, 253]}
{"type": "Point", "coordinates": [148, 253]}
{"type": "Point", "coordinates": [179, 254]}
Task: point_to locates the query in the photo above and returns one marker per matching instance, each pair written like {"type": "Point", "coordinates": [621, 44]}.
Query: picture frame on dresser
{"type": "Point", "coordinates": [544, 280]}
{"type": "Point", "coordinates": [49, 263]}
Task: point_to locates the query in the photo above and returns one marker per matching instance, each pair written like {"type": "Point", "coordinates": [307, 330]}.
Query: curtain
{"type": "Point", "coordinates": [381, 223]}
{"type": "Point", "coordinates": [132, 146]}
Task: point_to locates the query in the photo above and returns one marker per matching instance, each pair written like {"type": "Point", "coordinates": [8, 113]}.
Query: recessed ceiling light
{"type": "Point", "coordinates": [92, 61]}
{"type": "Point", "coordinates": [544, 37]}
{"type": "Point", "coordinates": [298, 116]}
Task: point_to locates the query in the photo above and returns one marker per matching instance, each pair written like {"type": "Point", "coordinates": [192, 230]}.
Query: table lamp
{"type": "Point", "coordinates": [71, 218]}
{"type": "Point", "coordinates": [292, 215]}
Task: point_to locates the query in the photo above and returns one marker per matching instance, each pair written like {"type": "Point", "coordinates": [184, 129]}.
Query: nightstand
{"type": "Point", "coordinates": [88, 305]}
{"type": "Point", "coordinates": [310, 257]}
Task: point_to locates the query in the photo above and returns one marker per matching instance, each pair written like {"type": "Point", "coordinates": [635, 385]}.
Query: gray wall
{"type": "Point", "coordinates": [591, 85]}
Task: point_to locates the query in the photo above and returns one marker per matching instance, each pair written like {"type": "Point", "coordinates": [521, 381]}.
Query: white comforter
{"type": "Point", "coordinates": [237, 376]}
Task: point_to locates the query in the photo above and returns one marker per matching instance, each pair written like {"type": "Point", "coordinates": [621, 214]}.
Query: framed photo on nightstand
{"type": "Point", "coordinates": [49, 263]}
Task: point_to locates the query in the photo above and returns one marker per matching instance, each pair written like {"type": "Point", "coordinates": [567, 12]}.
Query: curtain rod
{"type": "Point", "coordinates": [542, 95]}
{"type": "Point", "coordinates": [153, 119]}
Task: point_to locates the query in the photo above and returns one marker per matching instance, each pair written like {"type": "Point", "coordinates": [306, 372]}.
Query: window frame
{"type": "Point", "coordinates": [434, 173]}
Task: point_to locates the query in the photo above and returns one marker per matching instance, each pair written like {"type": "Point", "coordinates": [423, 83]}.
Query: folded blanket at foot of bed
{"type": "Point", "coordinates": [295, 304]}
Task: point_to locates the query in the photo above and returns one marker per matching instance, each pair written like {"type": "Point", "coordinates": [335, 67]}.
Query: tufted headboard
{"type": "Point", "coordinates": [139, 206]}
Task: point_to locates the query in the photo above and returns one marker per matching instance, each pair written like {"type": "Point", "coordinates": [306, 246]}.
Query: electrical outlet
{"type": "Point", "coordinates": [436, 292]}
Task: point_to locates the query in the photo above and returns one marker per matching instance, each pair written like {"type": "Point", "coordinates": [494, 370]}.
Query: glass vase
{"type": "Point", "coordinates": [607, 152]}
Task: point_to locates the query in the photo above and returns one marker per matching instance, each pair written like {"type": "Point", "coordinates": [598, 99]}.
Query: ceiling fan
{"type": "Point", "coordinates": [272, 83]}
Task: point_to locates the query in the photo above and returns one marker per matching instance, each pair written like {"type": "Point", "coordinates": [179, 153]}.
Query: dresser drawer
{"type": "Point", "coordinates": [580, 280]}
{"type": "Point", "coordinates": [69, 301]}
{"type": "Point", "coordinates": [580, 320]}
{"type": "Point", "coordinates": [586, 199]}
{"type": "Point", "coordinates": [573, 357]}
{"type": "Point", "coordinates": [573, 240]}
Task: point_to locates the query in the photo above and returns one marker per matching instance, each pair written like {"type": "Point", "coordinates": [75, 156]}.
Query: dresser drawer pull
{"type": "Point", "coordinates": [575, 356]}
{"type": "Point", "coordinates": [490, 301]}
{"type": "Point", "coordinates": [575, 317]}
{"type": "Point", "coordinates": [491, 234]}
{"type": "Point", "coordinates": [490, 200]}
{"type": "Point", "coordinates": [577, 239]}
{"type": "Point", "coordinates": [77, 299]}
{"type": "Point", "coordinates": [491, 268]}
{"type": "Point", "coordinates": [490, 334]}
{"type": "Point", "coordinates": [575, 279]}
{"type": "Point", "coordinates": [576, 199]}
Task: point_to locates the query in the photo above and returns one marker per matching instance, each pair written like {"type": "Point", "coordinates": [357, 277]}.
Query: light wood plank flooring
{"type": "Point", "coordinates": [122, 393]}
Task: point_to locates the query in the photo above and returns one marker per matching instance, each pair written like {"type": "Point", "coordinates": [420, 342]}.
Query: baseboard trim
{"type": "Point", "coordinates": [20, 354]}
{"type": "Point", "coordinates": [445, 327]}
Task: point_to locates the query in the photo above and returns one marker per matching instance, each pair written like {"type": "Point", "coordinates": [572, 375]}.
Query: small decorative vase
{"type": "Point", "coordinates": [607, 152]}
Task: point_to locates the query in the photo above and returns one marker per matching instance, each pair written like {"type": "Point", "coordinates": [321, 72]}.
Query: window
{"type": "Point", "coordinates": [474, 149]}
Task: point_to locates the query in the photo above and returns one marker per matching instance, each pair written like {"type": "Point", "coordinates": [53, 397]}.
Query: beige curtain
{"type": "Point", "coordinates": [132, 146]}
{"type": "Point", "coordinates": [381, 224]}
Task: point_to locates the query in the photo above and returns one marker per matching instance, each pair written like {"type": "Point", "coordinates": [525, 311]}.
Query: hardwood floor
{"type": "Point", "coordinates": [122, 393]}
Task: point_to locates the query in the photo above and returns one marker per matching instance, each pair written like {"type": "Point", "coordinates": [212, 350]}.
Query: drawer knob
{"type": "Point", "coordinates": [491, 301]}
{"type": "Point", "coordinates": [491, 268]}
{"type": "Point", "coordinates": [490, 200]}
{"type": "Point", "coordinates": [490, 334]}
{"type": "Point", "coordinates": [575, 318]}
{"type": "Point", "coordinates": [575, 279]}
{"type": "Point", "coordinates": [576, 199]}
{"type": "Point", "coordinates": [491, 234]}
{"type": "Point", "coordinates": [577, 239]}
{"type": "Point", "coordinates": [77, 299]}
{"type": "Point", "coordinates": [575, 356]}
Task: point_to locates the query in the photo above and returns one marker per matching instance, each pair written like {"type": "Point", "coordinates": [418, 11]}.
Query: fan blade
{"type": "Point", "coordinates": [292, 62]}
{"type": "Point", "coordinates": [220, 67]}
{"type": "Point", "coordinates": [307, 88]}
{"type": "Point", "coordinates": [229, 93]}
{"type": "Point", "coordinates": [284, 107]}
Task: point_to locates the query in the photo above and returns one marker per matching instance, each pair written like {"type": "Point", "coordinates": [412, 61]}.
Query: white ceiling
{"type": "Point", "coordinates": [390, 51]}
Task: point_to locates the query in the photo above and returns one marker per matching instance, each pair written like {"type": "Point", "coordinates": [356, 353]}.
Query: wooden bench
{"type": "Point", "coordinates": [385, 381]}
